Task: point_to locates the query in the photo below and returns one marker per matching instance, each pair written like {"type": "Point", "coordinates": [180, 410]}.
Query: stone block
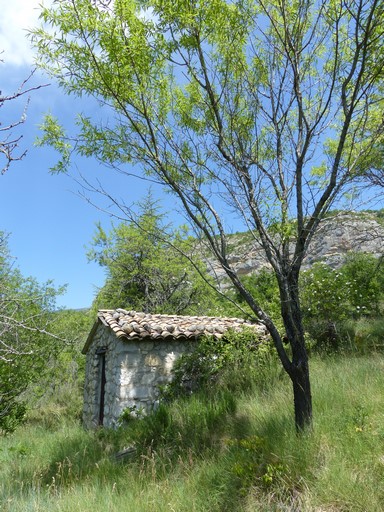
{"type": "Point", "coordinates": [146, 345]}
{"type": "Point", "coordinates": [148, 378]}
{"type": "Point", "coordinates": [152, 360]}
{"type": "Point", "coordinates": [139, 393]}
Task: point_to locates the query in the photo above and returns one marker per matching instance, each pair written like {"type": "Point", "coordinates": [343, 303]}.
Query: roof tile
{"type": "Point", "coordinates": [138, 324]}
{"type": "Point", "coordinates": [134, 325]}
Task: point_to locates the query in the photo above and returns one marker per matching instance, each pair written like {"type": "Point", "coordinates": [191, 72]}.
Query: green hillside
{"type": "Point", "coordinates": [229, 450]}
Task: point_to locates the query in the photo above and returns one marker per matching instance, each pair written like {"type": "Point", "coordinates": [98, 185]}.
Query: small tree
{"type": "Point", "coordinates": [146, 268]}
{"type": "Point", "coordinates": [258, 112]}
{"type": "Point", "coordinates": [26, 340]}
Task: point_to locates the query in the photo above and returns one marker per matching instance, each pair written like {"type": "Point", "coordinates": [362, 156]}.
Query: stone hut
{"type": "Point", "coordinates": [129, 354]}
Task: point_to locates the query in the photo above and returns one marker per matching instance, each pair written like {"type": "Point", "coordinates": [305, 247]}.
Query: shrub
{"type": "Point", "coordinates": [264, 289]}
{"type": "Point", "coordinates": [214, 361]}
{"type": "Point", "coordinates": [331, 298]}
{"type": "Point", "coordinates": [369, 334]}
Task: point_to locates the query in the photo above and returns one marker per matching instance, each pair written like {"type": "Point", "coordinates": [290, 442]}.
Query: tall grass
{"type": "Point", "coordinates": [224, 451]}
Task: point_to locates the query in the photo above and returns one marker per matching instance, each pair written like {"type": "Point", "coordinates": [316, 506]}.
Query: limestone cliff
{"type": "Point", "coordinates": [337, 236]}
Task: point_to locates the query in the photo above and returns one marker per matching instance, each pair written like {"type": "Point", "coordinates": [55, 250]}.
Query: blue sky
{"type": "Point", "coordinates": [50, 225]}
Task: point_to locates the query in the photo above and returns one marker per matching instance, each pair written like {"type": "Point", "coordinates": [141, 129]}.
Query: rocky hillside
{"type": "Point", "coordinates": [338, 235]}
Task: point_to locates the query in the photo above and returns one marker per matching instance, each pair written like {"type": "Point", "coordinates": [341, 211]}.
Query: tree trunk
{"type": "Point", "coordinates": [302, 397]}
{"type": "Point", "coordinates": [298, 369]}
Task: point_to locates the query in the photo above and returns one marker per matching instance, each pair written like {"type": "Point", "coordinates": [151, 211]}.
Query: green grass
{"type": "Point", "coordinates": [215, 452]}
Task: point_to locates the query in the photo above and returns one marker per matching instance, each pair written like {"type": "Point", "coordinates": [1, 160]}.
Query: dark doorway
{"type": "Point", "coordinates": [102, 380]}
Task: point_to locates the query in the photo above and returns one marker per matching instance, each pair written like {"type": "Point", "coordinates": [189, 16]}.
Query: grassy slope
{"type": "Point", "coordinates": [217, 453]}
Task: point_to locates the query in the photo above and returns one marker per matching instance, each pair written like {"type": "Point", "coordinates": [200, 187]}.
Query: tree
{"type": "Point", "coordinates": [146, 268]}
{"type": "Point", "coordinates": [258, 112]}
{"type": "Point", "coordinates": [26, 340]}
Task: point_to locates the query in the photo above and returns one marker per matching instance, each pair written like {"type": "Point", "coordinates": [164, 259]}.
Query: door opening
{"type": "Point", "coordinates": [102, 381]}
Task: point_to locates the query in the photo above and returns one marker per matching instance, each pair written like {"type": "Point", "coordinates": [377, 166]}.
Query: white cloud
{"type": "Point", "coordinates": [17, 16]}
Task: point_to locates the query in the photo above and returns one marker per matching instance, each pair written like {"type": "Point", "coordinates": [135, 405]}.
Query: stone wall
{"type": "Point", "coordinates": [134, 370]}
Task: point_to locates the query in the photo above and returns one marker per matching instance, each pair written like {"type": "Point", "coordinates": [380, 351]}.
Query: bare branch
{"type": "Point", "coordinates": [9, 144]}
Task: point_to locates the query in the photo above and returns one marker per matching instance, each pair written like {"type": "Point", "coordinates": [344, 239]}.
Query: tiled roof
{"type": "Point", "coordinates": [134, 325]}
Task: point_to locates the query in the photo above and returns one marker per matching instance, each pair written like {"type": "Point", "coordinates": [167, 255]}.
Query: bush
{"type": "Point", "coordinates": [369, 334]}
{"type": "Point", "coordinates": [217, 361]}
{"type": "Point", "coordinates": [332, 298]}
{"type": "Point", "coordinates": [264, 289]}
